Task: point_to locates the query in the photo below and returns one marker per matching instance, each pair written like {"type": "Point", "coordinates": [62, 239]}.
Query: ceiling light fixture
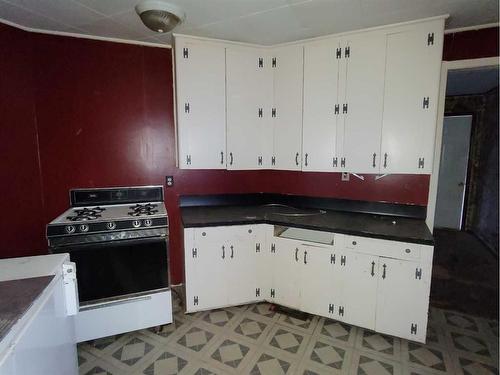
{"type": "Point", "coordinates": [159, 16]}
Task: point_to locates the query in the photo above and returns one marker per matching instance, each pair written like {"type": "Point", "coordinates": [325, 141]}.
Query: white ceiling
{"type": "Point", "coordinates": [253, 21]}
{"type": "Point", "coordinates": [471, 81]}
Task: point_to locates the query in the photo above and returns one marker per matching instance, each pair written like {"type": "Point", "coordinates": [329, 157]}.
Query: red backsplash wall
{"type": "Point", "coordinates": [104, 113]}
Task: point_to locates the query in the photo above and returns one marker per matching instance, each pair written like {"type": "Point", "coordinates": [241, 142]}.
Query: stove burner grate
{"type": "Point", "coordinates": [85, 214]}
{"type": "Point", "coordinates": [143, 209]}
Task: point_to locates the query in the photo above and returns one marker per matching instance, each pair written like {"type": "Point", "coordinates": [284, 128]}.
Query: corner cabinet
{"type": "Point", "coordinates": [201, 103]}
{"type": "Point", "coordinates": [360, 102]}
{"type": "Point", "coordinates": [372, 283]}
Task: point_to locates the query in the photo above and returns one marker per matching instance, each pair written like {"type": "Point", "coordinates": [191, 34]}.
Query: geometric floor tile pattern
{"type": "Point", "coordinates": [257, 340]}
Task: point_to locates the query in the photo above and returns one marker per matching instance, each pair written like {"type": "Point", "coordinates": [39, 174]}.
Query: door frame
{"type": "Point", "coordinates": [445, 67]}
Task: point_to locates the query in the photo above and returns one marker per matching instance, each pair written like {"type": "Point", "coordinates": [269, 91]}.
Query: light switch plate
{"type": "Point", "coordinates": [170, 181]}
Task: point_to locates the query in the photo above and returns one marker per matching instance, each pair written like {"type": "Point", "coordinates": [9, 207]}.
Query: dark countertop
{"type": "Point", "coordinates": [16, 297]}
{"type": "Point", "coordinates": [359, 224]}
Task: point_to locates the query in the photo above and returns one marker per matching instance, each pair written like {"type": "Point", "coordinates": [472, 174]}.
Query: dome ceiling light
{"type": "Point", "coordinates": [160, 16]}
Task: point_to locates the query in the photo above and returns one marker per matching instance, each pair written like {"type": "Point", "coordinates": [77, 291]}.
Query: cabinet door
{"type": "Point", "coordinates": [403, 298]}
{"type": "Point", "coordinates": [207, 271]}
{"type": "Point", "coordinates": [413, 66]}
{"type": "Point", "coordinates": [249, 101]}
{"type": "Point", "coordinates": [321, 77]}
{"type": "Point", "coordinates": [318, 291]}
{"type": "Point", "coordinates": [287, 121]}
{"type": "Point", "coordinates": [358, 288]}
{"type": "Point", "coordinates": [363, 97]}
{"type": "Point", "coordinates": [265, 234]}
{"type": "Point", "coordinates": [201, 104]}
{"type": "Point", "coordinates": [286, 266]}
{"type": "Point", "coordinates": [242, 264]}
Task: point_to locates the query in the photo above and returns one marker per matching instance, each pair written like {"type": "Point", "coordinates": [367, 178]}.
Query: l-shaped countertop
{"type": "Point", "coordinates": [389, 227]}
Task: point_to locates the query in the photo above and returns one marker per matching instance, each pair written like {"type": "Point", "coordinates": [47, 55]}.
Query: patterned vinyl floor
{"type": "Point", "coordinates": [254, 340]}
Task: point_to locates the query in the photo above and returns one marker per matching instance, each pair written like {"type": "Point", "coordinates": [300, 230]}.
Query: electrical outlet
{"type": "Point", "coordinates": [345, 176]}
{"type": "Point", "coordinates": [170, 181]}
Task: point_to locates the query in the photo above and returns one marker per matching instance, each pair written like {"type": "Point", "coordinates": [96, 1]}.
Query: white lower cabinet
{"type": "Point", "coordinates": [285, 283]}
{"type": "Point", "coordinates": [357, 282]}
{"type": "Point", "coordinates": [371, 283]}
{"type": "Point", "coordinates": [220, 266]}
{"type": "Point", "coordinates": [317, 294]}
{"type": "Point", "coordinates": [402, 298]}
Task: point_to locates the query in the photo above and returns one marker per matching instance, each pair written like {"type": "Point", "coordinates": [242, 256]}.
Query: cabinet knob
{"type": "Point", "coordinates": [407, 251]}
{"type": "Point", "coordinates": [204, 234]}
{"type": "Point", "coordinates": [249, 231]}
{"type": "Point", "coordinates": [354, 243]}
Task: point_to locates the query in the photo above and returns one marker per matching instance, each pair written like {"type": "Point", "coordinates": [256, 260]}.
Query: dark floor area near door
{"type": "Point", "coordinates": [465, 274]}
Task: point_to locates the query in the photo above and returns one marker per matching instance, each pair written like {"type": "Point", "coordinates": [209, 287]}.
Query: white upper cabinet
{"type": "Point", "coordinates": [201, 106]}
{"type": "Point", "coordinates": [362, 101]}
{"type": "Point", "coordinates": [411, 97]}
{"type": "Point", "coordinates": [321, 104]}
{"type": "Point", "coordinates": [287, 63]}
{"type": "Point", "coordinates": [249, 85]}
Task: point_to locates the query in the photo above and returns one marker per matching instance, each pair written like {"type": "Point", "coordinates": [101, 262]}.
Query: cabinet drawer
{"type": "Point", "coordinates": [385, 248]}
{"type": "Point", "coordinates": [226, 233]}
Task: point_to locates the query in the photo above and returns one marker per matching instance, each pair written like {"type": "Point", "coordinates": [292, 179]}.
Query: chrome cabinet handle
{"type": "Point", "coordinates": [223, 252]}
{"type": "Point", "coordinates": [305, 162]}
{"type": "Point", "coordinates": [385, 160]}
{"type": "Point", "coordinates": [297, 158]}
{"type": "Point", "coordinates": [305, 257]}
{"type": "Point", "coordinates": [374, 156]}
{"type": "Point", "coordinates": [222, 157]}
{"type": "Point", "coordinates": [296, 254]}
{"type": "Point", "coordinates": [230, 158]}
{"type": "Point", "coordinates": [232, 252]}
{"type": "Point", "coordinates": [373, 269]}
{"type": "Point", "coordinates": [383, 272]}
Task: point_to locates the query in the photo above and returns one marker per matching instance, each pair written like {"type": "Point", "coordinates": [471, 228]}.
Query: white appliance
{"type": "Point", "coordinates": [118, 238]}
{"type": "Point", "coordinates": [42, 339]}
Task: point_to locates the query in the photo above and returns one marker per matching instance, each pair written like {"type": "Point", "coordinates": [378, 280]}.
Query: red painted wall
{"type": "Point", "coordinates": [21, 219]}
{"type": "Point", "coordinates": [104, 113]}
{"type": "Point", "coordinates": [472, 44]}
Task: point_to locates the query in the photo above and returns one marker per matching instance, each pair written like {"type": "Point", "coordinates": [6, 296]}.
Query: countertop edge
{"type": "Point", "coordinates": [311, 227]}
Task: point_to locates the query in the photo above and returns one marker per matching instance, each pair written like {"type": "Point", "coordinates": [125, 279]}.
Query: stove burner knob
{"type": "Point", "coordinates": [111, 225]}
{"type": "Point", "coordinates": [84, 228]}
{"type": "Point", "coordinates": [136, 223]}
{"type": "Point", "coordinates": [70, 229]}
{"type": "Point", "coordinates": [148, 222]}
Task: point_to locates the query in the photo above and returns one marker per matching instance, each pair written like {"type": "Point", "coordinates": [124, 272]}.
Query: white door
{"type": "Point", "coordinates": [361, 124]}
{"type": "Point", "coordinates": [321, 77]}
{"type": "Point", "coordinates": [286, 266]}
{"type": "Point", "coordinates": [287, 63]}
{"type": "Point", "coordinates": [403, 298]}
{"type": "Point", "coordinates": [249, 108]}
{"type": "Point", "coordinates": [208, 272]}
{"type": "Point", "coordinates": [242, 264]}
{"type": "Point", "coordinates": [317, 288]}
{"type": "Point", "coordinates": [413, 66]}
{"type": "Point", "coordinates": [453, 172]}
{"type": "Point", "coordinates": [358, 299]}
{"type": "Point", "coordinates": [201, 104]}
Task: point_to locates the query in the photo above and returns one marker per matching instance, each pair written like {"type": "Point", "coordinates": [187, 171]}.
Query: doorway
{"type": "Point", "coordinates": [463, 199]}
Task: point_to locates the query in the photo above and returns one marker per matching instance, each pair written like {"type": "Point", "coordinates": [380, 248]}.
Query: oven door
{"type": "Point", "coordinates": [107, 271]}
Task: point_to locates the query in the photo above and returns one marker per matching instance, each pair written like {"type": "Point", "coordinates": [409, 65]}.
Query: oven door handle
{"type": "Point", "coordinates": [105, 244]}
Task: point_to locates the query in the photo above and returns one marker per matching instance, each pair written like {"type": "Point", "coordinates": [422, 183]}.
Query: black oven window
{"type": "Point", "coordinates": [120, 268]}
